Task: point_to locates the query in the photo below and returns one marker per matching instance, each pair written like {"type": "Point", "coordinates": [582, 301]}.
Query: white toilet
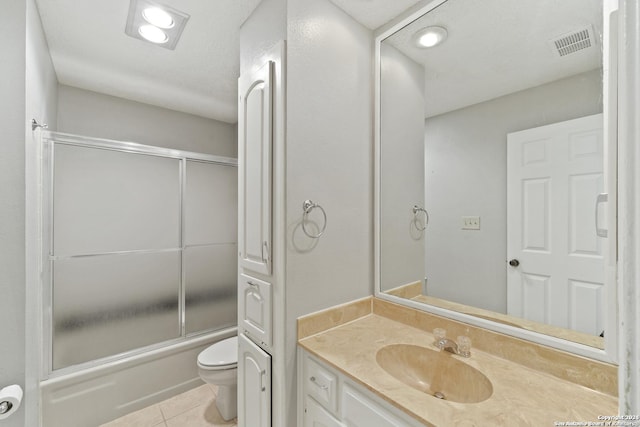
{"type": "Point", "coordinates": [218, 365]}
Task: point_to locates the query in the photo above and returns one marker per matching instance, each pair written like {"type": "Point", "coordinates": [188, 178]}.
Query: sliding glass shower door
{"type": "Point", "coordinates": [141, 244]}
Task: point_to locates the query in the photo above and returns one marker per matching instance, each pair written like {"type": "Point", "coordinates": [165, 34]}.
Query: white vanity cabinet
{"type": "Point", "coordinates": [254, 383]}
{"type": "Point", "coordinates": [329, 399]}
{"type": "Point", "coordinates": [255, 136]}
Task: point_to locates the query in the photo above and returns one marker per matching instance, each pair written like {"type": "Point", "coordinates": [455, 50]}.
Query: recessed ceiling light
{"type": "Point", "coordinates": [153, 34]}
{"type": "Point", "coordinates": [156, 23]}
{"type": "Point", "coordinates": [158, 17]}
{"type": "Point", "coordinates": [430, 37]}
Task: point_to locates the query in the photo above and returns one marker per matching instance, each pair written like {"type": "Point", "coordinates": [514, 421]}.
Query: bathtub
{"type": "Point", "coordinates": [97, 395]}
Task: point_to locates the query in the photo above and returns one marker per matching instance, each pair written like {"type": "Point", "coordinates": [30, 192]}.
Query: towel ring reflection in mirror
{"type": "Point", "coordinates": [417, 210]}
{"type": "Point", "coordinates": [307, 207]}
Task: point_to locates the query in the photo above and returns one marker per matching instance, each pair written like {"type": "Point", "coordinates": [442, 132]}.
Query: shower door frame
{"type": "Point", "coordinates": [48, 139]}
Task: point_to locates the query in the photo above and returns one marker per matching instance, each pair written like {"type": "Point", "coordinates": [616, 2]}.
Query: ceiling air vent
{"type": "Point", "coordinates": [573, 42]}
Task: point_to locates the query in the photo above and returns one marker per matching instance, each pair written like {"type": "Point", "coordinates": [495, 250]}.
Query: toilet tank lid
{"type": "Point", "coordinates": [223, 352]}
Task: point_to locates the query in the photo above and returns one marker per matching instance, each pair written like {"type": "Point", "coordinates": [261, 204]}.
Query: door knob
{"type": "Point", "coordinates": [514, 263]}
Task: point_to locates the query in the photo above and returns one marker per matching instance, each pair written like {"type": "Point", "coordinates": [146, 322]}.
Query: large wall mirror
{"type": "Point", "coordinates": [495, 179]}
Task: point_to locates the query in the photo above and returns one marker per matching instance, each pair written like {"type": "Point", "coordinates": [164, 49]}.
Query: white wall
{"type": "Point", "coordinates": [12, 197]}
{"type": "Point", "coordinates": [97, 115]}
{"type": "Point", "coordinates": [41, 104]}
{"type": "Point", "coordinates": [329, 160]}
{"type": "Point", "coordinates": [466, 176]}
{"type": "Point", "coordinates": [28, 91]}
{"type": "Point", "coordinates": [401, 168]}
{"type": "Point", "coordinates": [266, 26]}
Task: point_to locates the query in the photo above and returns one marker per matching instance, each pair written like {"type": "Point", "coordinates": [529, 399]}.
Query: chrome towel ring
{"type": "Point", "coordinates": [307, 207]}
{"type": "Point", "coordinates": [416, 210]}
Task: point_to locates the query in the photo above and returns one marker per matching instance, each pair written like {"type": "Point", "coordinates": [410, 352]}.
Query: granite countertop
{"type": "Point", "coordinates": [521, 396]}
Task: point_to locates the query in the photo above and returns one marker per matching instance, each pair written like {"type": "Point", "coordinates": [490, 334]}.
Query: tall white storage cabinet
{"type": "Point", "coordinates": [255, 212]}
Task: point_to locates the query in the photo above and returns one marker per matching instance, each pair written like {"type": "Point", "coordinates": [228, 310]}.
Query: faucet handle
{"type": "Point", "coordinates": [439, 334]}
{"type": "Point", "coordinates": [464, 346]}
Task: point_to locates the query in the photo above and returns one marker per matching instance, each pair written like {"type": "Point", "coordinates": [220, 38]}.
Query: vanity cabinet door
{"type": "Point", "coordinates": [316, 416]}
{"type": "Point", "coordinates": [254, 385]}
{"type": "Point", "coordinates": [254, 169]}
{"type": "Point", "coordinates": [254, 308]}
{"type": "Point", "coordinates": [360, 411]}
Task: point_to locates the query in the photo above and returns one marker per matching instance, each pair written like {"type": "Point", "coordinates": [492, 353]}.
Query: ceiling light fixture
{"type": "Point", "coordinates": [153, 34]}
{"type": "Point", "coordinates": [158, 17]}
{"type": "Point", "coordinates": [155, 23]}
{"type": "Point", "coordinates": [430, 37]}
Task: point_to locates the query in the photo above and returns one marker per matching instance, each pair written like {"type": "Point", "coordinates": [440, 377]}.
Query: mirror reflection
{"type": "Point", "coordinates": [491, 164]}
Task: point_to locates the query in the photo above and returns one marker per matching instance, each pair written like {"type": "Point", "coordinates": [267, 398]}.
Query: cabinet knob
{"type": "Point", "coordinates": [514, 263]}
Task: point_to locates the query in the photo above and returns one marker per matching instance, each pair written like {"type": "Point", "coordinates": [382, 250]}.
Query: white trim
{"type": "Point", "coordinates": [34, 224]}
{"type": "Point", "coordinates": [279, 362]}
{"type": "Point", "coordinates": [629, 212]}
{"type": "Point", "coordinates": [610, 339]}
{"type": "Point", "coordinates": [133, 147]}
{"type": "Point", "coordinates": [610, 135]}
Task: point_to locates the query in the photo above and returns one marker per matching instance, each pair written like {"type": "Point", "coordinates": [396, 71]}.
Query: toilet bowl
{"type": "Point", "coordinates": [218, 365]}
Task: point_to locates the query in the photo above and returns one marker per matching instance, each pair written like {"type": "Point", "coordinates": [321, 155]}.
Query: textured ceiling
{"type": "Point", "coordinates": [493, 50]}
{"type": "Point", "coordinates": [374, 13]}
{"type": "Point", "coordinates": [90, 50]}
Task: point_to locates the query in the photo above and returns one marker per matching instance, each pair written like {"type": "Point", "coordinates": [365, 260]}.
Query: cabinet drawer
{"type": "Point", "coordinates": [321, 384]}
{"type": "Point", "coordinates": [254, 309]}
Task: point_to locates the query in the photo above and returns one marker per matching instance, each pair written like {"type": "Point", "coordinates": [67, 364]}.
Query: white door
{"type": "Point", "coordinates": [254, 385]}
{"type": "Point", "coordinates": [556, 271]}
{"type": "Point", "coordinates": [254, 169]}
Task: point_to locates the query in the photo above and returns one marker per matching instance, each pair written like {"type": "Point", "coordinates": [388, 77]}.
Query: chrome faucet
{"type": "Point", "coordinates": [452, 347]}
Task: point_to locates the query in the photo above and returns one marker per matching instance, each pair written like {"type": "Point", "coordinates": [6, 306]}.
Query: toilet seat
{"type": "Point", "coordinates": [221, 355]}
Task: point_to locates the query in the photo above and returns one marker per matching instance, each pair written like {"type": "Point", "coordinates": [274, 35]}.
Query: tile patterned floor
{"type": "Point", "coordinates": [194, 408]}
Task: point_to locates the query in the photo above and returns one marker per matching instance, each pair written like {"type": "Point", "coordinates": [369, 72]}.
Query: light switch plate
{"type": "Point", "coordinates": [471, 223]}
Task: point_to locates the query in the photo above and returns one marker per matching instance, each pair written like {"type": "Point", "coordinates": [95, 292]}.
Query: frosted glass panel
{"type": "Point", "coordinates": [211, 203]}
{"type": "Point", "coordinates": [108, 201]}
{"type": "Point", "coordinates": [109, 304]}
{"type": "Point", "coordinates": [211, 290]}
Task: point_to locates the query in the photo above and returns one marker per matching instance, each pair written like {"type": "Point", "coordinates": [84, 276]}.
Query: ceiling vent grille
{"type": "Point", "coordinates": [573, 42]}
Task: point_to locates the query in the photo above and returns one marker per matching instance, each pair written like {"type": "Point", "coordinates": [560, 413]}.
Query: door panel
{"type": "Point", "coordinates": [255, 308]}
{"type": "Point", "coordinates": [254, 152]}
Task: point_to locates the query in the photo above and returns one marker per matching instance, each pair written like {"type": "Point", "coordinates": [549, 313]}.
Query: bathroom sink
{"type": "Point", "coordinates": [438, 374]}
